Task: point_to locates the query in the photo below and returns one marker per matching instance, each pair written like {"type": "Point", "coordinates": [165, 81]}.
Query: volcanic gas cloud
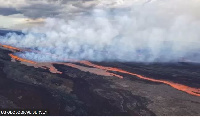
{"type": "Point", "coordinates": [101, 70]}
{"type": "Point", "coordinates": [157, 31]}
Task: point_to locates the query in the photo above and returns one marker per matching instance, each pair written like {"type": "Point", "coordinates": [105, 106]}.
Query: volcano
{"type": "Point", "coordinates": [98, 88]}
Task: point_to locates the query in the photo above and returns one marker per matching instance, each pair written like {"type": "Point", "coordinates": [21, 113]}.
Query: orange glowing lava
{"type": "Point", "coordinates": [187, 89]}
{"type": "Point", "coordinates": [49, 66]}
{"type": "Point", "coordinates": [91, 70]}
{"type": "Point", "coordinates": [100, 70]}
{"type": "Point", "coordinates": [52, 69]}
{"type": "Point", "coordinates": [21, 59]}
{"type": "Point", "coordinates": [10, 47]}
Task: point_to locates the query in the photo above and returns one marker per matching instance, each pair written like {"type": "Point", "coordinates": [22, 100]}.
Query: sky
{"type": "Point", "coordinates": [19, 14]}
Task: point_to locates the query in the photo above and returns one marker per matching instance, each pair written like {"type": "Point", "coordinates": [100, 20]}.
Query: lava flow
{"type": "Point", "coordinates": [10, 47]}
{"type": "Point", "coordinates": [52, 69]}
{"type": "Point", "coordinates": [21, 59]}
{"type": "Point", "coordinates": [92, 70]}
{"type": "Point", "coordinates": [49, 66]}
{"type": "Point", "coordinates": [101, 70]}
{"type": "Point", "coordinates": [189, 90]}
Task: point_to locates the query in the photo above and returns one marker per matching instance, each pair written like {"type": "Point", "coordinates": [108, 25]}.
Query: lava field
{"type": "Point", "coordinates": [98, 88]}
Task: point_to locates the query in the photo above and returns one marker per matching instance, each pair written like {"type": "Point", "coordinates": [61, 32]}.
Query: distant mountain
{"type": "Point", "coordinates": [5, 31]}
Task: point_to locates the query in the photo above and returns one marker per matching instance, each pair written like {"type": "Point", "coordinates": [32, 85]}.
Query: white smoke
{"type": "Point", "coordinates": [162, 30]}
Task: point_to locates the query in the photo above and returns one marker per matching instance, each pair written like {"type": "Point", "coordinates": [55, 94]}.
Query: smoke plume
{"type": "Point", "coordinates": [152, 31]}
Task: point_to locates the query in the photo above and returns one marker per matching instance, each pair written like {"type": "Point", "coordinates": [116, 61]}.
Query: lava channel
{"type": "Point", "coordinates": [184, 88]}
{"type": "Point", "coordinates": [187, 89]}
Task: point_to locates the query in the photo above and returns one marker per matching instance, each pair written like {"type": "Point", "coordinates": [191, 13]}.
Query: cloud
{"type": "Point", "coordinates": [64, 9]}
{"type": "Point", "coordinates": [56, 8]}
{"type": "Point", "coordinates": [18, 22]}
{"type": "Point", "coordinates": [41, 11]}
{"type": "Point", "coordinates": [16, 4]}
{"type": "Point", "coordinates": [150, 31]}
{"type": "Point", "coordinates": [8, 11]}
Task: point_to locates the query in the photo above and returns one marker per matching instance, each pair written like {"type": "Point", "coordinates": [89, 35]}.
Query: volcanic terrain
{"type": "Point", "coordinates": [98, 88]}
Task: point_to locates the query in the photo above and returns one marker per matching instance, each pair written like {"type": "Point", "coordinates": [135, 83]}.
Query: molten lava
{"type": "Point", "coordinates": [10, 47]}
{"type": "Point", "coordinates": [92, 70]}
{"type": "Point", "coordinates": [100, 70]}
{"type": "Point", "coordinates": [21, 59]}
{"type": "Point", "coordinates": [187, 89]}
{"type": "Point", "coordinates": [49, 66]}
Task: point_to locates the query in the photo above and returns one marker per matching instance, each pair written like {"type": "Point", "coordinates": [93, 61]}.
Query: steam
{"type": "Point", "coordinates": [157, 31]}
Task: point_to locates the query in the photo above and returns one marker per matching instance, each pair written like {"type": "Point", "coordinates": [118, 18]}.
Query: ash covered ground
{"type": "Point", "coordinates": [86, 90]}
